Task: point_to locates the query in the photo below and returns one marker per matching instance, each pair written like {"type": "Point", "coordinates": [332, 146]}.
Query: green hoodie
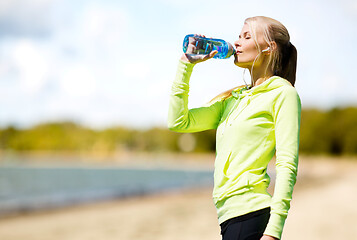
{"type": "Point", "coordinates": [252, 125]}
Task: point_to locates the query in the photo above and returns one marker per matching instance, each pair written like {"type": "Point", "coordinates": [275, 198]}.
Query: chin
{"type": "Point", "coordinates": [239, 63]}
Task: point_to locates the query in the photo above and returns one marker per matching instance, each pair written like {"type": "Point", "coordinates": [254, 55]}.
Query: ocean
{"type": "Point", "coordinates": [28, 188]}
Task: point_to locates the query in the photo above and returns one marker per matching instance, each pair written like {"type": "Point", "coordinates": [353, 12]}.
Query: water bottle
{"type": "Point", "coordinates": [194, 44]}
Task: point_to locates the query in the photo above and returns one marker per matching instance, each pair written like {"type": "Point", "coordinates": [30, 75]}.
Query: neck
{"type": "Point", "coordinates": [259, 75]}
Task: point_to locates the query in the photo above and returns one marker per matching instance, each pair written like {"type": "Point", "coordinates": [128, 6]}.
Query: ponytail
{"type": "Point", "coordinates": [286, 67]}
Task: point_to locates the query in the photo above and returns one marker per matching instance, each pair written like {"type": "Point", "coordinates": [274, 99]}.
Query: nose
{"type": "Point", "coordinates": [237, 43]}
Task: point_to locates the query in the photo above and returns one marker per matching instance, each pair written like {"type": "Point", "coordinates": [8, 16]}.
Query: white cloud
{"type": "Point", "coordinates": [101, 30]}
{"type": "Point", "coordinates": [78, 81]}
{"type": "Point", "coordinates": [31, 65]}
{"type": "Point", "coordinates": [136, 71]}
{"type": "Point", "coordinates": [350, 6]}
{"type": "Point", "coordinates": [106, 23]}
{"type": "Point", "coordinates": [25, 17]}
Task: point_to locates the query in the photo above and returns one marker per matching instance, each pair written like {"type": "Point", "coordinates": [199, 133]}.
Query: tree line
{"type": "Point", "coordinates": [322, 132]}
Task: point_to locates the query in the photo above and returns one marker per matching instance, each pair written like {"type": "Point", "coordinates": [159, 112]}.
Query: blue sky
{"type": "Point", "coordinates": [105, 63]}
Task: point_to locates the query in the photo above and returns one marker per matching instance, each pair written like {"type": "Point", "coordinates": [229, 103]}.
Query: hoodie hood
{"type": "Point", "coordinates": [269, 84]}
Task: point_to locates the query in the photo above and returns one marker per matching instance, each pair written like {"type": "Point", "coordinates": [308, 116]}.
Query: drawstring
{"type": "Point", "coordinates": [248, 97]}
{"type": "Point", "coordinates": [238, 101]}
{"type": "Point", "coordinates": [238, 96]}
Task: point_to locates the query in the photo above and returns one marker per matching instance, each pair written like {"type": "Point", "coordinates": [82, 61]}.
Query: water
{"type": "Point", "coordinates": [29, 188]}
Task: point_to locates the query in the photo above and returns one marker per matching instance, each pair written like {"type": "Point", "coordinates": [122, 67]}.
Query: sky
{"type": "Point", "coordinates": [105, 63]}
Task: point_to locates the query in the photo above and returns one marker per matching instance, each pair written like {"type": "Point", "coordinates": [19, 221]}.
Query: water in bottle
{"type": "Point", "coordinates": [194, 44]}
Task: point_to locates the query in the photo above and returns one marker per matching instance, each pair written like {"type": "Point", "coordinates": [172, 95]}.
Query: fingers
{"type": "Point", "coordinates": [210, 55]}
{"type": "Point", "coordinates": [200, 35]}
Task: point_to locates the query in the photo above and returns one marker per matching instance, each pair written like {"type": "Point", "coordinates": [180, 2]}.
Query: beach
{"type": "Point", "coordinates": [323, 207]}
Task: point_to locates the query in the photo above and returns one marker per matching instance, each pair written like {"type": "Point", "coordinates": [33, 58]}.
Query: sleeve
{"type": "Point", "coordinates": [287, 114]}
{"type": "Point", "coordinates": [182, 119]}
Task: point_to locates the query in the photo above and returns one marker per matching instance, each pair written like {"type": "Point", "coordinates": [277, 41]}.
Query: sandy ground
{"type": "Point", "coordinates": [323, 207]}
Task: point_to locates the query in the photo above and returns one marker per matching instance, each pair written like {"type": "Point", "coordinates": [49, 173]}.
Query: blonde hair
{"type": "Point", "coordinates": [283, 60]}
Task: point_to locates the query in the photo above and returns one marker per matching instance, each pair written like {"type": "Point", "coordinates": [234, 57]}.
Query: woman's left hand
{"type": "Point", "coordinates": [266, 237]}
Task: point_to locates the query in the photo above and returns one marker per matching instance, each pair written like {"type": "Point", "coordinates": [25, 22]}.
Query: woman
{"type": "Point", "coordinates": [253, 123]}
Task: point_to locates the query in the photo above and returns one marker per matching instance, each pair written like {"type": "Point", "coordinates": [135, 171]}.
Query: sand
{"type": "Point", "coordinates": [323, 207]}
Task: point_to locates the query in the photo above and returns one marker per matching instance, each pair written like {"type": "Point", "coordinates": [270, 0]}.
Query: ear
{"type": "Point", "coordinates": [273, 46]}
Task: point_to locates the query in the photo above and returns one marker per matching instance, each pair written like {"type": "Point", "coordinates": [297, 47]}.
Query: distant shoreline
{"type": "Point", "coordinates": [31, 188]}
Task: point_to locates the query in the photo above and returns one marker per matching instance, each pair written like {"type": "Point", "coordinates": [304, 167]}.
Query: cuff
{"type": "Point", "coordinates": [275, 225]}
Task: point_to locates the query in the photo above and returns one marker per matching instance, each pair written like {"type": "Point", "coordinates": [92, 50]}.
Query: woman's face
{"type": "Point", "coordinates": [246, 49]}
